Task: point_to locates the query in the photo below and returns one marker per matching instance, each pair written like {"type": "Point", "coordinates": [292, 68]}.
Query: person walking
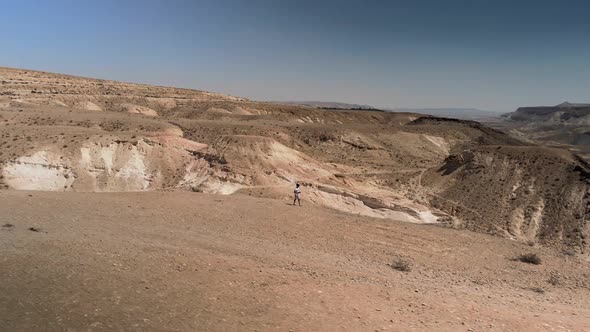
{"type": "Point", "coordinates": [297, 193]}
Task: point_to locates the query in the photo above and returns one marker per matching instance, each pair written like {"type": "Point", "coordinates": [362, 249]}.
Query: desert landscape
{"type": "Point", "coordinates": [136, 207]}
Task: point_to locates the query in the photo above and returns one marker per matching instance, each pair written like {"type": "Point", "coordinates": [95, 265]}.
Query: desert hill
{"type": "Point", "coordinates": [65, 133]}
{"type": "Point", "coordinates": [569, 113]}
{"type": "Point", "coordinates": [566, 123]}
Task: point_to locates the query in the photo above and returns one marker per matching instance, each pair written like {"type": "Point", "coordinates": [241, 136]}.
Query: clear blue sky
{"type": "Point", "coordinates": [487, 54]}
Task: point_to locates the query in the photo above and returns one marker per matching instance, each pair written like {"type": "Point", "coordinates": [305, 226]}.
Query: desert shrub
{"type": "Point", "coordinates": [326, 137]}
{"type": "Point", "coordinates": [401, 264]}
{"type": "Point", "coordinates": [530, 258]}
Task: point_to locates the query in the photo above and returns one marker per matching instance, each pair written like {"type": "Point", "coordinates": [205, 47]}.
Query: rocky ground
{"type": "Point", "coordinates": [190, 261]}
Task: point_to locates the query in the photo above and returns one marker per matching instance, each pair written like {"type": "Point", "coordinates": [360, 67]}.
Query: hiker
{"type": "Point", "coordinates": [297, 193]}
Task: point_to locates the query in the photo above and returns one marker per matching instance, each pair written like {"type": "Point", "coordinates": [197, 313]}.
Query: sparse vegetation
{"type": "Point", "coordinates": [401, 264]}
{"type": "Point", "coordinates": [530, 258]}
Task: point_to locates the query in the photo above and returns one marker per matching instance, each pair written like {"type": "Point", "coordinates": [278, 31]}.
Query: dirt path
{"type": "Point", "coordinates": [186, 261]}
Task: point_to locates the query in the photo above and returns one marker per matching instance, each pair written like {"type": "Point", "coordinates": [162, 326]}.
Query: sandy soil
{"type": "Point", "coordinates": [187, 261]}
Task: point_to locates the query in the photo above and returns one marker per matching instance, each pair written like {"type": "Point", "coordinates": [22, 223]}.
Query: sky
{"type": "Point", "coordinates": [493, 55]}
